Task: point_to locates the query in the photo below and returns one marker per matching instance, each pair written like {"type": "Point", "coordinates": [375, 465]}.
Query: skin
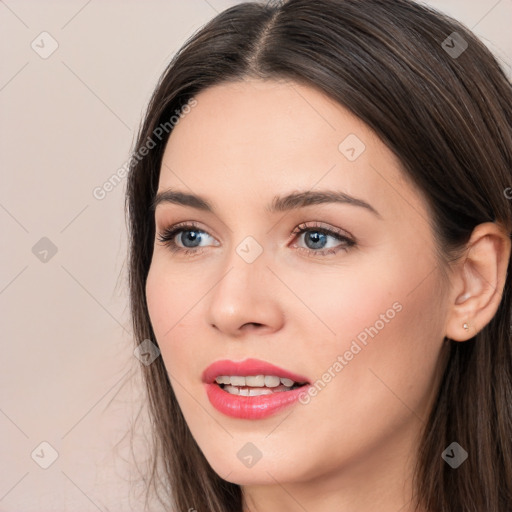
{"type": "Point", "coordinates": [353, 444]}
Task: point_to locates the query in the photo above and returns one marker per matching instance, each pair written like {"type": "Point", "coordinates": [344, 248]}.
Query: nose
{"type": "Point", "coordinates": [246, 299]}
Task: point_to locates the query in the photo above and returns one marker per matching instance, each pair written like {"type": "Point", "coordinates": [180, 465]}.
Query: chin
{"type": "Point", "coordinates": [247, 477]}
{"type": "Point", "coordinates": [252, 476]}
{"type": "Point", "coordinates": [263, 472]}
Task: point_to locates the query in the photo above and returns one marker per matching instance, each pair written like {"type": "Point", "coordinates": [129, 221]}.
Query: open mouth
{"type": "Point", "coordinates": [251, 389]}
{"type": "Point", "coordinates": [256, 385]}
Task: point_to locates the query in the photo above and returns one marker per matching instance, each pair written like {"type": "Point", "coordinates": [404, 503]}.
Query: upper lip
{"type": "Point", "coordinates": [245, 368]}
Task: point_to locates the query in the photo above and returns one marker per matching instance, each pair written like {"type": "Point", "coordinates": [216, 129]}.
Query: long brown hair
{"type": "Point", "coordinates": [447, 115]}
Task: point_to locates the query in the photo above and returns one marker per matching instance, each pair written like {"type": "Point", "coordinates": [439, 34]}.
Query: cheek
{"type": "Point", "coordinates": [170, 296]}
{"type": "Point", "coordinates": [160, 300]}
{"type": "Point", "coordinates": [374, 296]}
{"type": "Point", "coordinates": [174, 301]}
{"type": "Point", "coordinates": [383, 318]}
{"type": "Point", "coordinates": [388, 332]}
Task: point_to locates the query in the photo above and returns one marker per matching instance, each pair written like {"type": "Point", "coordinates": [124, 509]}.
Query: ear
{"type": "Point", "coordinates": [478, 279]}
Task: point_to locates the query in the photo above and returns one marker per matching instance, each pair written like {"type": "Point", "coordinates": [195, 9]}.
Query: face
{"type": "Point", "coordinates": [338, 287]}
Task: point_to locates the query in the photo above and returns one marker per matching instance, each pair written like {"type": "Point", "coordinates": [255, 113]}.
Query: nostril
{"type": "Point", "coordinates": [255, 324]}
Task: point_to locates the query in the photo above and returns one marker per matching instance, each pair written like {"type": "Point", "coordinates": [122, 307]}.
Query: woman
{"type": "Point", "coordinates": [320, 249]}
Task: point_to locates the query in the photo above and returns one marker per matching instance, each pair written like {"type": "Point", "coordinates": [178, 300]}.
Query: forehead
{"type": "Point", "coordinates": [250, 140]}
{"type": "Point", "coordinates": [235, 120]}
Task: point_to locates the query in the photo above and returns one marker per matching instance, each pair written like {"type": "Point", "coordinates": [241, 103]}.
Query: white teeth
{"type": "Point", "coordinates": [237, 381]}
{"type": "Point", "coordinates": [255, 381]}
{"type": "Point", "coordinates": [261, 391]}
{"type": "Point", "coordinates": [248, 392]}
{"type": "Point", "coordinates": [258, 381]}
{"type": "Point", "coordinates": [232, 390]}
{"type": "Point", "coordinates": [271, 381]}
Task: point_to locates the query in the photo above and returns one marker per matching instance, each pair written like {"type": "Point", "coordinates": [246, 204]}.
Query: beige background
{"type": "Point", "coordinates": [67, 372]}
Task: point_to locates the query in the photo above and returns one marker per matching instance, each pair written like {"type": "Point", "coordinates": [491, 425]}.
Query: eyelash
{"type": "Point", "coordinates": [168, 235]}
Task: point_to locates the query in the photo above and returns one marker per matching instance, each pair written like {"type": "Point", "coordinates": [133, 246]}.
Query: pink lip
{"type": "Point", "coordinates": [249, 407]}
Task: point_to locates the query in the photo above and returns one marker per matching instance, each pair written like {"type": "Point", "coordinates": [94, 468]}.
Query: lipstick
{"type": "Point", "coordinates": [252, 388]}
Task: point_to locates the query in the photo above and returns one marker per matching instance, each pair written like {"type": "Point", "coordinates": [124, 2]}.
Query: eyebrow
{"type": "Point", "coordinates": [285, 203]}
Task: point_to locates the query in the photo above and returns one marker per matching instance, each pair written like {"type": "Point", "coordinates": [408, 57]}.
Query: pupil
{"type": "Point", "coordinates": [316, 238]}
{"type": "Point", "coordinates": [192, 236]}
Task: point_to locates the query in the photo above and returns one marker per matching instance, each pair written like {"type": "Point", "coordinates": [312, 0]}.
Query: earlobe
{"type": "Point", "coordinates": [478, 281]}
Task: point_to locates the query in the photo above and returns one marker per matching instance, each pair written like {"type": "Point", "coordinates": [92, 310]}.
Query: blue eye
{"type": "Point", "coordinates": [194, 237]}
{"type": "Point", "coordinates": [319, 240]}
{"type": "Point", "coordinates": [188, 235]}
{"type": "Point", "coordinates": [316, 239]}
{"type": "Point", "coordinates": [186, 239]}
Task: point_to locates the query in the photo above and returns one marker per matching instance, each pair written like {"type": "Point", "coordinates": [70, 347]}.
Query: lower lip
{"type": "Point", "coordinates": [251, 407]}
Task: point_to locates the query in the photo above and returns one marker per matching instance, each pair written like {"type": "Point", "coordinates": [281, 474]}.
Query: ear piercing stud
{"type": "Point", "coordinates": [466, 326]}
